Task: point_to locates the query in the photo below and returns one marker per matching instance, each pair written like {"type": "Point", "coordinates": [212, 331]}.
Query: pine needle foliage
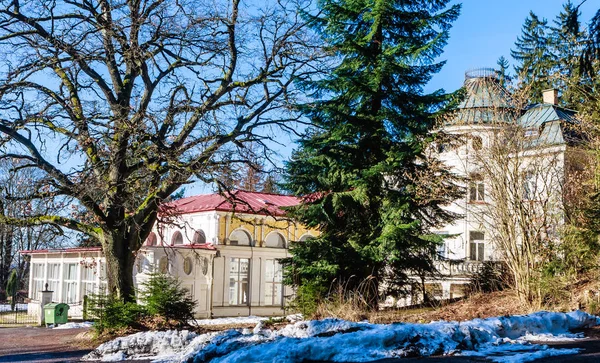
{"type": "Point", "coordinates": [362, 166]}
{"type": "Point", "coordinates": [162, 295]}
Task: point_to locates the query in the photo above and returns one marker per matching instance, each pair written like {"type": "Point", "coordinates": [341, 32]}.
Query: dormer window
{"type": "Point", "coordinates": [531, 132]}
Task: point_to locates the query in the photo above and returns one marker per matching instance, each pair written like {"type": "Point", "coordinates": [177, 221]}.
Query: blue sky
{"type": "Point", "coordinates": [485, 30]}
{"type": "Point", "coordinates": [488, 29]}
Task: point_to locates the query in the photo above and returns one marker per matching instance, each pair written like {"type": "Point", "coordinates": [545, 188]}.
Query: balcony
{"type": "Point", "coordinates": [458, 268]}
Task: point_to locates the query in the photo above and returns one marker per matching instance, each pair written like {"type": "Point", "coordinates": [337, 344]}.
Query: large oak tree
{"type": "Point", "coordinates": [120, 102]}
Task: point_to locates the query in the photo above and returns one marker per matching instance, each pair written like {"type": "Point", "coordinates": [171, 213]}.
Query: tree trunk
{"type": "Point", "coordinates": [119, 265]}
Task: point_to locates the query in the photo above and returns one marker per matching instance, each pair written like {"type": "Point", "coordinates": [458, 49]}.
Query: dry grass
{"type": "Point", "coordinates": [476, 306]}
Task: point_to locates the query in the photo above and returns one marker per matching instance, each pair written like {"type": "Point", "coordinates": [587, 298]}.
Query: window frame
{"type": "Point", "coordinates": [70, 287]}
{"type": "Point", "coordinates": [476, 189]}
{"type": "Point", "coordinates": [271, 283]}
{"type": "Point", "coordinates": [237, 285]}
{"type": "Point", "coordinates": [477, 245]}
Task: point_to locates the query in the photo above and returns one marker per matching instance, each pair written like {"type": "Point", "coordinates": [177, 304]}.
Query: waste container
{"type": "Point", "coordinates": [55, 313]}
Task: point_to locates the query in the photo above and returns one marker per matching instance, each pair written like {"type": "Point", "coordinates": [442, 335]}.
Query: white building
{"type": "Point", "coordinates": [487, 112]}
{"type": "Point", "coordinates": [224, 251]}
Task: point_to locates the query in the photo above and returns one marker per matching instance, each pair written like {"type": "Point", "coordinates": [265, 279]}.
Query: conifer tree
{"type": "Point", "coordinates": [566, 44]}
{"type": "Point", "coordinates": [503, 75]}
{"type": "Point", "coordinates": [362, 168]}
{"type": "Point", "coordinates": [535, 61]}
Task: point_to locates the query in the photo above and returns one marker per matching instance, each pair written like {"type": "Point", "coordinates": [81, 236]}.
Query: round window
{"type": "Point", "coordinates": [187, 265]}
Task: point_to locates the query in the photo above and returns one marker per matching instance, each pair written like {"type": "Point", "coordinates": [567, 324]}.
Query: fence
{"type": "Point", "coordinates": [18, 316]}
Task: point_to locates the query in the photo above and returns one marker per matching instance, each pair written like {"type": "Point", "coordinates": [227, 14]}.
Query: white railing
{"type": "Point", "coordinates": [458, 268]}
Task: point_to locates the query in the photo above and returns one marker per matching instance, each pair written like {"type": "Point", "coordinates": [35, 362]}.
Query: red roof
{"type": "Point", "coordinates": [204, 246]}
{"type": "Point", "coordinates": [239, 201]}
{"type": "Point", "coordinates": [59, 250]}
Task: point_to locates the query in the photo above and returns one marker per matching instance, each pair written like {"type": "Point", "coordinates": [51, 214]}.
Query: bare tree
{"type": "Point", "coordinates": [120, 102]}
{"type": "Point", "coordinates": [17, 183]}
{"type": "Point", "coordinates": [521, 168]}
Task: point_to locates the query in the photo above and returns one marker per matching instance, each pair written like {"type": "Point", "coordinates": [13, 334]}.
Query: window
{"type": "Point", "coordinates": [54, 279]}
{"type": "Point", "coordinates": [306, 237]}
{"type": "Point", "coordinates": [476, 143]}
{"type": "Point", "coordinates": [476, 189]}
{"type": "Point", "coordinates": [177, 239]}
{"type": "Point", "coordinates": [273, 286]}
{"type": "Point", "coordinates": [529, 186]}
{"type": "Point", "coordinates": [163, 265]}
{"type": "Point", "coordinates": [187, 265]}
{"type": "Point", "coordinates": [103, 280]}
{"type": "Point", "coordinates": [440, 252]}
{"type": "Point", "coordinates": [88, 280]}
{"type": "Point", "coordinates": [151, 241]}
{"type": "Point", "coordinates": [476, 246]}
{"type": "Point", "coordinates": [37, 270]}
{"type": "Point", "coordinates": [199, 237]}
{"type": "Point", "coordinates": [275, 239]}
{"type": "Point", "coordinates": [238, 281]}
{"type": "Point", "coordinates": [239, 238]}
{"type": "Point", "coordinates": [70, 283]}
{"type": "Point", "coordinates": [532, 132]}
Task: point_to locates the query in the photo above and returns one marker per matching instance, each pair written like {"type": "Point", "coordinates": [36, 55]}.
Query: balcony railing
{"type": "Point", "coordinates": [458, 268]}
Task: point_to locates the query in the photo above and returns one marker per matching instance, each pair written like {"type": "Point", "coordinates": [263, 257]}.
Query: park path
{"type": "Point", "coordinates": [40, 345]}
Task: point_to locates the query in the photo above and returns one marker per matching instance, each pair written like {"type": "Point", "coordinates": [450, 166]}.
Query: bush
{"type": "Point", "coordinates": [164, 297]}
{"type": "Point", "coordinates": [112, 314]}
{"type": "Point", "coordinates": [493, 276]}
{"type": "Point", "coordinates": [163, 304]}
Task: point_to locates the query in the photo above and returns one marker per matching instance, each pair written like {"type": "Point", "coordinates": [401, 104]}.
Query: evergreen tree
{"type": "Point", "coordinates": [12, 286]}
{"type": "Point", "coordinates": [566, 45]}
{"type": "Point", "coordinates": [362, 168]}
{"type": "Point", "coordinates": [534, 57]}
{"type": "Point", "coordinates": [503, 75]}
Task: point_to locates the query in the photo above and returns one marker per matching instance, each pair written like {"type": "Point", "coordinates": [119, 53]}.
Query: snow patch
{"type": "Point", "coordinates": [230, 321]}
{"type": "Point", "coordinates": [502, 339]}
{"type": "Point", "coordinates": [72, 325]}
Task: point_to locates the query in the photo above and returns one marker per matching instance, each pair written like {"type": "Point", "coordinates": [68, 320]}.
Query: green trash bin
{"type": "Point", "coordinates": [55, 313]}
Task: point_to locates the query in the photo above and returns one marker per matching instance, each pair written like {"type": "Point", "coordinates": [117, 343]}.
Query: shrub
{"type": "Point", "coordinates": [493, 276]}
{"type": "Point", "coordinates": [164, 297]}
{"type": "Point", "coordinates": [113, 314]}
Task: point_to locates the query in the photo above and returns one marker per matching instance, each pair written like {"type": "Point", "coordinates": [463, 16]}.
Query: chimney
{"type": "Point", "coordinates": [550, 96]}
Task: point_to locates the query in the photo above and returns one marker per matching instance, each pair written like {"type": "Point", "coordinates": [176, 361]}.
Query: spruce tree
{"type": "Point", "coordinates": [566, 41]}
{"type": "Point", "coordinates": [502, 71]}
{"type": "Point", "coordinates": [362, 167]}
{"type": "Point", "coordinates": [535, 61]}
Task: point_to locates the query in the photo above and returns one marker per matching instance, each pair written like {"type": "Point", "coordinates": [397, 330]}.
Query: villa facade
{"type": "Point", "coordinates": [225, 251]}
{"type": "Point", "coordinates": [539, 174]}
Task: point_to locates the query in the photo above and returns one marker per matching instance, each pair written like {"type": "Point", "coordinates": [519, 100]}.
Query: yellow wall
{"type": "Point", "coordinates": [259, 226]}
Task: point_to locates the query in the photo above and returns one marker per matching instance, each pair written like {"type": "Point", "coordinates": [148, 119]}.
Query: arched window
{"type": "Point", "coordinates": [151, 240]}
{"type": "Point", "coordinates": [177, 238]}
{"type": "Point", "coordinates": [275, 240]}
{"type": "Point", "coordinates": [239, 237]}
{"type": "Point", "coordinates": [199, 237]}
{"type": "Point", "coordinates": [305, 237]}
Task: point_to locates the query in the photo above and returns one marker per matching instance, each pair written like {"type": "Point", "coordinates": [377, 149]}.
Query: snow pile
{"type": "Point", "coordinates": [72, 325]}
{"type": "Point", "coordinates": [230, 321]}
{"type": "Point", "coordinates": [144, 344]}
{"type": "Point", "coordinates": [245, 320]}
{"type": "Point", "coordinates": [502, 339]}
